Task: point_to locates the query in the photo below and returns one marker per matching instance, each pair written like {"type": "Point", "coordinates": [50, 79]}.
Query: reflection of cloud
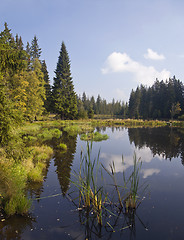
{"type": "Point", "coordinates": [109, 158]}
{"type": "Point", "coordinates": [149, 172]}
{"type": "Point", "coordinates": [119, 135]}
{"type": "Point", "coordinates": [145, 153]}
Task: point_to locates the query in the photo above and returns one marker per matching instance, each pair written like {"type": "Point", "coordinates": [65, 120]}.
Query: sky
{"type": "Point", "coordinates": [113, 45]}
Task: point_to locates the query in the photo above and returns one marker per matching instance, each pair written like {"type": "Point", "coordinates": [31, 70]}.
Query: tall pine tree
{"type": "Point", "coordinates": [64, 96]}
{"type": "Point", "coordinates": [35, 50]}
{"type": "Point", "coordinates": [47, 103]}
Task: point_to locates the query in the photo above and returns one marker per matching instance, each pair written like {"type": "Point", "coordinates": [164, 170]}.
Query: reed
{"type": "Point", "coordinates": [128, 192]}
{"type": "Point", "coordinates": [90, 195]}
{"type": "Point", "coordinates": [133, 186]}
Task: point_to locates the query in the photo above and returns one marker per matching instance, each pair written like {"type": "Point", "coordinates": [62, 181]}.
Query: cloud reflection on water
{"type": "Point", "coordinates": [145, 154]}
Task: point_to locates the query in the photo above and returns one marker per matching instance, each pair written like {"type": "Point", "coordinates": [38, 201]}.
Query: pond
{"type": "Point", "coordinates": [54, 214]}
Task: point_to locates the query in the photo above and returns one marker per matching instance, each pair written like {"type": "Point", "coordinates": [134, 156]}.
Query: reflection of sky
{"type": "Point", "coordinates": [149, 172]}
{"type": "Point", "coordinates": [144, 154]}
{"type": "Point", "coordinates": [162, 210]}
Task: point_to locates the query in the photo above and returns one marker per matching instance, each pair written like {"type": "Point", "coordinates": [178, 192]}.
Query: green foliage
{"type": "Point", "coordinates": [12, 187]}
{"type": "Point", "coordinates": [158, 101]}
{"type": "Point", "coordinates": [64, 97]}
{"type": "Point", "coordinates": [47, 102]}
{"type": "Point", "coordinates": [175, 109]}
{"type": "Point", "coordinates": [47, 134]}
{"type": "Point", "coordinates": [96, 137]}
{"type": "Point", "coordinates": [62, 146]}
{"type": "Point", "coordinates": [35, 50]}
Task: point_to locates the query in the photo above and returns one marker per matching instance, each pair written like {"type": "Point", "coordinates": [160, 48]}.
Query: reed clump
{"type": "Point", "coordinates": [91, 196]}
{"type": "Point", "coordinates": [94, 199]}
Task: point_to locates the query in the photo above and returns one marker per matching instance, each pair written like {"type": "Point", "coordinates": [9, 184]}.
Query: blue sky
{"type": "Point", "coordinates": [113, 45]}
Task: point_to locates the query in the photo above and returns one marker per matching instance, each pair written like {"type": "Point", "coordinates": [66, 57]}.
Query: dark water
{"type": "Point", "coordinates": [159, 216]}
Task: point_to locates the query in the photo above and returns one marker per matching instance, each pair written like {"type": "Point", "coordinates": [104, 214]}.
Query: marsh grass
{"type": "Point", "coordinates": [91, 196]}
{"type": "Point", "coordinates": [133, 199]}
{"type": "Point", "coordinates": [15, 174]}
{"type": "Point", "coordinates": [37, 162]}
{"type": "Point", "coordinates": [77, 128]}
{"type": "Point", "coordinates": [129, 196]}
{"type": "Point", "coordinates": [97, 137]}
{"type": "Point", "coordinates": [94, 199]}
{"type": "Point", "coordinates": [12, 188]}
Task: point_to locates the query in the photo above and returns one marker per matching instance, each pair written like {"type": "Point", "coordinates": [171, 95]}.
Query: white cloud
{"type": "Point", "coordinates": [149, 172]}
{"type": "Point", "coordinates": [121, 62]}
{"type": "Point", "coordinates": [153, 55]}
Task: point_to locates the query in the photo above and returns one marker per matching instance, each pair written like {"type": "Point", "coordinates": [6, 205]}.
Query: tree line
{"type": "Point", "coordinates": [26, 92]}
{"type": "Point", "coordinates": [163, 100]}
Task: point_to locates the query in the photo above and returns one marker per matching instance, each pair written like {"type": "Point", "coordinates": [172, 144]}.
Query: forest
{"type": "Point", "coordinates": [26, 92]}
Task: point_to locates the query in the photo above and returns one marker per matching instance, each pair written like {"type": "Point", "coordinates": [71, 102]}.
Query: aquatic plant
{"type": "Point", "coordinates": [128, 191]}
{"type": "Point", "coordinates": [97, 137]}
{"type": "Point", "coordinates": [133, 199]}
{"type": "Point", "coordinates": [90, 195]}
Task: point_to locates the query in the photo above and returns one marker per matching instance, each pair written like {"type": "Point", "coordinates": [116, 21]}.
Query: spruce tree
{"type": "Point", "coordinates": [35, 49]}
{"type": "Point", "coordinates": [47, 103]}
{"type": "Point", "coordinates": [64, 96]}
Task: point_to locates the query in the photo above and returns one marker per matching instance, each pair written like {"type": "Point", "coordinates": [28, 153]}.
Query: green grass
{"type": "Point", "coordinates": [90, 195]}
{"type": "Point", "coordinates": [97, 137]}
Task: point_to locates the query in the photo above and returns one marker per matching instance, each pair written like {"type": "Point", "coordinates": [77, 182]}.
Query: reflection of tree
{"type": "Point", "coordinates": [115, 220]}
{"type": "Point", "coordinates": [63, 160]}
{"type": "Point", "coordinates": [13, 227]}
{"type": "Point", "coordinates": [36, 188]}
{"type": "Point", "coordinates": [168, 142]}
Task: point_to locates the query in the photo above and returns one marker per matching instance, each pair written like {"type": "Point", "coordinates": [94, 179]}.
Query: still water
{"type": "Point", "coordinates": [159, 216]}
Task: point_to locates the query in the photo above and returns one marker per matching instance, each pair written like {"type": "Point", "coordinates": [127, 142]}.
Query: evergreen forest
{"type": "Point", "coordinates": [26, 92]}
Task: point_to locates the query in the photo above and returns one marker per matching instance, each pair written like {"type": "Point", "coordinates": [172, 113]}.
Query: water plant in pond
{"type": "Point", "coordinates": [91, 196]}
{"type": "Point", "coordinates": [133, 199]}
{"type": "Point", "coordinates": [94, 137]}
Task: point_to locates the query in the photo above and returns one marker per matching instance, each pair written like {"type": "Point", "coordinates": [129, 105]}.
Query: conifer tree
{"type": "Point", "coordinates": [35, 49]}
{"type": "Point", "coordinates": [64, 96]}
{"type": "Point", "coordinates": [47, 103]}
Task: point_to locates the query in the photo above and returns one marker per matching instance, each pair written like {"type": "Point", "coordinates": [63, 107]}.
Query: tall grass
{"type": "Point", "coordinates": [93, 198]}
{"type": "Point", "coordinates": [90, 194]}
{"type": "Point", "coordinates": [133, 199]}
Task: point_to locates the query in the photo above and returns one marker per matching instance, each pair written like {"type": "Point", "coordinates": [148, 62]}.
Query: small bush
{"type": "Point", "coordinates": [62, 146]}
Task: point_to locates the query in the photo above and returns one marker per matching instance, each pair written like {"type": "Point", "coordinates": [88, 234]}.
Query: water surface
{"type": "Point", "coordinates": [159, 216]}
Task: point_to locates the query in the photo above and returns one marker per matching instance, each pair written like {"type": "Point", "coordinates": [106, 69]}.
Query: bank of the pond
{"type": "Point", "coordinates": [24, 158]}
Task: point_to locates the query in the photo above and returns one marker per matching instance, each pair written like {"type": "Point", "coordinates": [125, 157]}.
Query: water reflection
{"type": "Point", "coordinates": [35, 189]}
{"type": "Point", "coordinates": [64, 160]}
{"type": "Point", "coordinates": [167, 142]}
{"type": "Point", "coordinates": [13, 227]}
{"type": "Point", "coordinates": [59, 218]}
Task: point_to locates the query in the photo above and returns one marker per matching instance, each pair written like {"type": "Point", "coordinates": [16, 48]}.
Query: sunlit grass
{"type": "Point", "coordinates": [97, 137]}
